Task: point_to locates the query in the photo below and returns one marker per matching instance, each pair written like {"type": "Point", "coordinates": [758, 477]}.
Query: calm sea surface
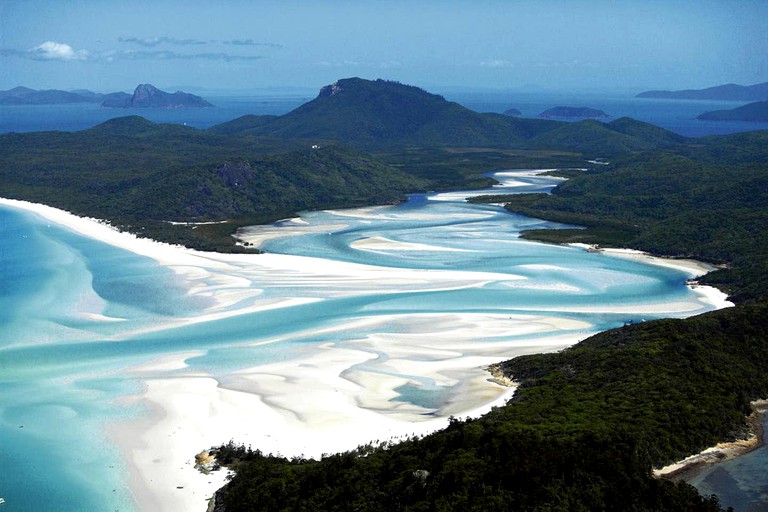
{"type": "Point", "coordinates": [63, 361]}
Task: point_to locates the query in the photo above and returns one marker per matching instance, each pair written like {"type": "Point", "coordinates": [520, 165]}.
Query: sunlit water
{"type": "Point", "coordinates": [76, 313]}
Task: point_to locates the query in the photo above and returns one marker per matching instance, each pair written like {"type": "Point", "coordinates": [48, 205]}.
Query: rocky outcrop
{"type": "Point", "coordinates": [149, 96]}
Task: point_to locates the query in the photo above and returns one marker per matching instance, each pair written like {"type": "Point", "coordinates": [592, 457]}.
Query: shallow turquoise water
{"type": "Point", "coordinates": [63, 365]}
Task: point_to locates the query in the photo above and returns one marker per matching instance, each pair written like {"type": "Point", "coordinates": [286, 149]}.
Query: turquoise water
{"type": "Point", "coordinates": [76, 314]}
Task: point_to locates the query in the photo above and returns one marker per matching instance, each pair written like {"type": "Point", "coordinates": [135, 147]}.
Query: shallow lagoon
{"type": "Point", "coordinates": [412, 301]}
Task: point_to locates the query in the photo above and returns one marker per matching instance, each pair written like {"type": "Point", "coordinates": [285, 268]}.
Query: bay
{"type": "Point", "coordinates": [391, 292]}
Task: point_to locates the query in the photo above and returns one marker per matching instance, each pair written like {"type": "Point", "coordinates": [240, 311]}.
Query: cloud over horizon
{"type": "Point", "coordinates": [47, 51]}
{"type": "Point", "coordinates": [55, 51]}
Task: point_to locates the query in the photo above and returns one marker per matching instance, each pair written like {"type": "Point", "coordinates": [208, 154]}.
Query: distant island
{"type": "Point", "coordinates": [149, 96]}
{"type": "Point", "coordinates": [145, 96]}
{"type": "Point", "coordinates": [27, 96]}
{"type": "Point", "coordinates": [751, 112]}
{"type": "Point", "coordinates": [727, 92]}
{"type": "Point", "coordinates": [574, 113]}
{"type": "Point", "coordinates": [512, 112]}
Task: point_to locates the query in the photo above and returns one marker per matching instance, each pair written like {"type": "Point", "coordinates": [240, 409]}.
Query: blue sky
{"type": "Point", "coordinates": [107, 45]}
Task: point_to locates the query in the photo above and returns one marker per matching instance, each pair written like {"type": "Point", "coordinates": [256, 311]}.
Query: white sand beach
{"type": "Point", "coordinates": [694, 268]}
{"type": "Point", "coordinates": [333, 396]}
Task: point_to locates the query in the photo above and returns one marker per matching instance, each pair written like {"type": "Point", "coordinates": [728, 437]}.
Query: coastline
{"type": "Point", "coordinates": [694, 268]}
{"type": "Point", "coordinates": [191, 410]}
{"type": "Point", "coordinates": [691, 466]}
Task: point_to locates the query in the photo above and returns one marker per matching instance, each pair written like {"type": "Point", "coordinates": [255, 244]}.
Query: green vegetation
{"type": "Point", "coordinates": [379, 114]}
{"type": "Point", "coordinates": [584, 423]}
{"type": "Point", "coordinates": [140, 175]}
{"type": "Point", "coordinates": [462, 168]}
{"type": "Point", "coordinates": [681, 206]}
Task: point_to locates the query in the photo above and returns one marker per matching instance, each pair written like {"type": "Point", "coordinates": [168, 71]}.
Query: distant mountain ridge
{"type": "Point", "coordinates": [26, 96]}
{"type": "Point", "coordinates": [145, 96]}
{"type": "Point", "coordinates": [376, 113]}
{"type": "Point", "coordinates": [727, 92]}
{"type": "Point", "coordinates": [751, 112]}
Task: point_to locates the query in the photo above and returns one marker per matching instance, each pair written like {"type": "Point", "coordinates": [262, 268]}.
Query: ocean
{"type": "Point", "coordinates": [78, 316]}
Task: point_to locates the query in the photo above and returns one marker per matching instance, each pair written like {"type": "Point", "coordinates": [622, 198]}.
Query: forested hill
{"type": "Point", "coordinates": [139, 175]}
{"type": "Point", "coordinates": [378, 113]}
{"type": "Point", "coordinates": [708, 201]}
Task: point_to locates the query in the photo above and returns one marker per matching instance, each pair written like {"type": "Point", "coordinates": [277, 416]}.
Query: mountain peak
{"type": "Point", "coordinates": [149, 96]}
{"type": "Point", "coordinates": [144, 91]}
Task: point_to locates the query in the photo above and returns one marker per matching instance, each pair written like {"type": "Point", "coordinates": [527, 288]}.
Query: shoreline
{"type": "Point", "coordinates": [693, 465]}
{"type": "Point", "coordinates": [695, 268]}
{"type": "Point", "coordinates": [192, 411]}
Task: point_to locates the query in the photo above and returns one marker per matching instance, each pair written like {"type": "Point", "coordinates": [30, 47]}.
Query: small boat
{"type": "Point", "coordinates": [2, 501]}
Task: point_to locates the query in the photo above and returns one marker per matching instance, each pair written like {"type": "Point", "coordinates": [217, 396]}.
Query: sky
{"type": "Point", "coordinates": [583, 45]}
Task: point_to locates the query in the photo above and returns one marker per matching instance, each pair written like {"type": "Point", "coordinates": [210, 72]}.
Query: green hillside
{"type": "Point", "coordinates": [140, 175]}
{"type": "Point", "coordinates": [692, 206]}
{"type": "Point", "coordinates": [376, 114]}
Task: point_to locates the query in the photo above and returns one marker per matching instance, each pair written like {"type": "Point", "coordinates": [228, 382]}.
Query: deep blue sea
{"type": "Point", "coordinates": [76, 313]}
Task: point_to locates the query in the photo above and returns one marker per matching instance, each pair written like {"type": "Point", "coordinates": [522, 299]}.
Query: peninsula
{"type": "Point", "coordinates": [727, 92]}
{"type": "Point", "coordinates": [756, 112]}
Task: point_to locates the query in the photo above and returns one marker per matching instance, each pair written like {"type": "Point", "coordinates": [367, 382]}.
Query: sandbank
{"type": "Point", "coordinates": [380, 243]}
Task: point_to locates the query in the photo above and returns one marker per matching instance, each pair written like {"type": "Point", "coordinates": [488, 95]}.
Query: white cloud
{"type": "Point", "coordinates": [51, 50]}
{"type": "Point", "coordinates": [497, 63]}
